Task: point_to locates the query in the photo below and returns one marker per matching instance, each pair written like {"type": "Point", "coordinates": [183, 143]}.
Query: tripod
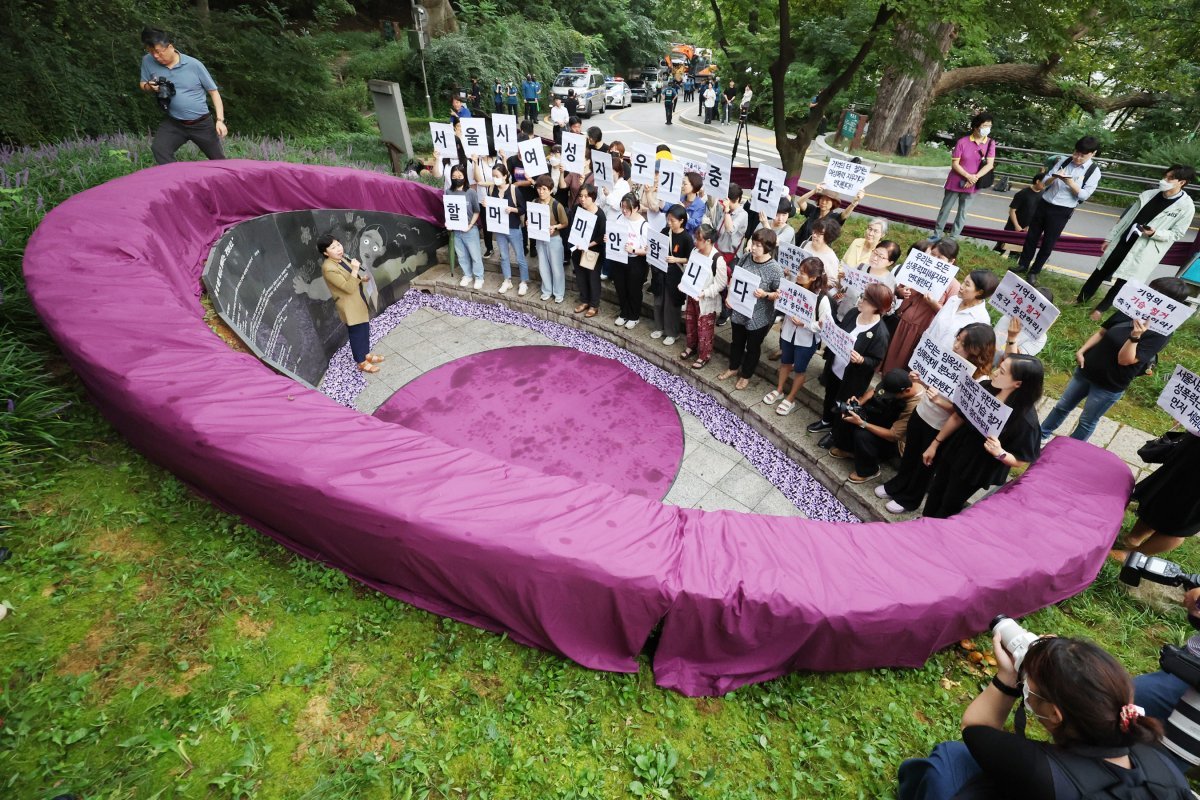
{"type": "Point", "coordinates": [737, 137]}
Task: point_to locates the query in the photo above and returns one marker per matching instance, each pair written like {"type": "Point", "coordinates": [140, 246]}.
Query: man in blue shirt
{"type": "Point", "coordinates": [531, 89]}
{"type": "Point", "coordinates": [187, 115]}
{"type": "Point", "coordinates": [1068, 183]}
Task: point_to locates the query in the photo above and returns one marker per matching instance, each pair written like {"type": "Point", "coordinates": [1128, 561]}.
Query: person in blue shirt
{"type": "Point", "coordinates": [458, 110]}
{"type": "Point", "coordinates": [670, 94]}
{"type": "Point", "coordinates": [531, 89]}
{"type": "Point", "coordinates": [498, 96]}
{"type": "Point", "coordinates": [187, 116]}
{"type": "Point", "coordinates": [512, 96]}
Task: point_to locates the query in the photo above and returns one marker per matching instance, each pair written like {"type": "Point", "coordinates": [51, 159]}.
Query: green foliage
{"type": "Point", "coordinates": [1173, 151]}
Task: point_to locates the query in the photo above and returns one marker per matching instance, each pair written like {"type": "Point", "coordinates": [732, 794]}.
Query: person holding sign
{"type": "Point", "coordinates": [906, 490]}
{"type": "Point", "coordinates": [1158, 218]}
{"type": "Point", "coordinates": [700, 314]}
{"type": "Point", "coordinates": [588, 259]}
{"type": "Point", "coordinates": [502, 189]}
{"type": "Point", "coordinates": [969, 306]}
{"type": "Point", "coordinates": [693, 200]}
{"type": "Point", "coordinates": [966, 460]}
{"type": "Point", "coordinates": [467, 248]}
{"type": "Point", "coordinates": [878, 269]}
{"type": "Point", "coordinates": [918, 310]}
{"type": "Point", "coordinates": [550, 253]}
{"type": "Point", "coordinates": [974, 157]}
{"type": "Point", "coordinates": [1011, 336]}
{"type": "Point", "coordinates": [347, 280]}
{"type": "Point", "coordinates": [778, 224]}
{"type": "Point", "coordinates": [630, 277]}
{"type": "Point", "coordinates": [1120, 351]}
{"type": "Point", "coordinates": [799, 338]}
{"type": "Point", "coordinates": [665, 286]}
{"type": "Point", "coordinates": [846, 378]}
{"type": "Point", "coordinates": [748, 332]}
{"type": "Point", "coordinates": [820, 203]}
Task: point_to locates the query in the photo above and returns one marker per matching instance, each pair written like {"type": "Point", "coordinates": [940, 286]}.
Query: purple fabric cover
{"type": "Point", "coordinates": [577, 568]}
{"type": "Point", "coordinates": [552, 409]}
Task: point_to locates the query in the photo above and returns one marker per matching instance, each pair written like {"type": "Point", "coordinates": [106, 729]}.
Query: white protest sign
{"type": "Point", "coordinates": [796, 301]}
{"type": "Point", "coordinates": [443, 140]}
{"type": "Point", "coordinates": [574, 145]}
{"type": "Point", "coordinates": [657, 247]}
{"type": "Point", "coordinates": [846, 177]}
{"type": "Point", "coordinates": [789, 257]}
{"type": "Point", "coordinates": [504, 133]}
{"type": "Point", "coordinates": [1162, 314]}
{"type": "Point", "coordinates": [474, 136]}
{"type": "Point", "coordinates": [856, 280]}
{"type": "Point", "coordinates": [769, 189]}
{"type": "Point", "coordinates": [486, 164]}
{"type": "Point", "coordinates": [533, 157]}
{"type": "Point", "coordinates": [455, 207]}
{"type": "Point", "coordinates": [641, 164]}
{"type": "Point", "coordinates": [690, 165]}
{"type": "Point", "coordinates": [839, 340]}
{"type": "Point", "coordinates": [1017, 298]}
{"type": "Point", "coordinates": [741, 291]}
{"type": "Point", "coordinates": [926, 274]}
{"type": "Point", "coordinates": [602, 169]}
{"type": "Point", "coordinates": [716, 176]}
{"type": "Point", "coordinates": [582, 228]}
{"type": "Point", "coordinates": [1181, 398]}
{"type": "Point", "coordinates": [670, 179]}
{"type": "Point", "coordinates": [939, 369]}
{"type": "Point", "coordinates": [614, 241]}
{"type": "Point", "coordinates": [496, 214]}
{"type": "Point", "coordinates": [980, 407]}
{"type": "Point", "coordinates": [697, 272]}
{"type": "Point", "coordinates": [537, 218]}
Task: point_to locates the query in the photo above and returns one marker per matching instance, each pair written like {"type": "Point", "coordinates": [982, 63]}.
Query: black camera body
{"type": "Point", "coordinates": [850, 406]}
{"type": "Point", "coordinates": [164, 90]}
{"type": "Point", "coordinates": [1182, 662]}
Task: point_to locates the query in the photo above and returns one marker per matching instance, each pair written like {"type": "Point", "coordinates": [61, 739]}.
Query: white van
{"type": "Point", "coordinates": [588, 84]}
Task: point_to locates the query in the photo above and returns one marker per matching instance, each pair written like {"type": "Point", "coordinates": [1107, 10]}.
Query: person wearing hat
{"type": "Point", "coordinates": [820, 203]}
{"type": "Point", "coordinates": [878, 430]}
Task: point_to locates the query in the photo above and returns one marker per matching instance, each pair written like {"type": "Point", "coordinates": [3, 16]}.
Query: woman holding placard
{"type": "Point", "coordinates": [1108, 362]}
{"type": "Point", "coordinates": [846, 378]}
{"type": "Point", "coordinates": [748, 332]}
{"type": "Point", "coordinates": [693, 201]}
{"type": "Point", "coordinates": [1011, 336]}
{"type": "Point", "coordinates": [1168, 504]}
{"type": "Point", "coordinates": [798, 340]}
{"type": "Point", "coordinates": [966, 460]}
{"type": "Point", "coordinates": [588, 261]}
{"type": "Point", "coordinates": [501, 188]}
{"type": "Point", "coordinates": [700, 316]}
{"type": "Point", "coordinates": [466, 243]}
{"type": "Point", "coordinates": [820, 203]}
{"type": "Point", "coordinates": [550, 253]}
{"type": "Point", "coordinates": [667, 297]}
{"type": "Point", "coordinates": [969, 306]}
{"type": "Point", "coordinates": [878, 268]}
{"type": "Point", "coordinates": [630, 277]}
{"type": "Point", "coordinates": [918, 310]}
{"type": "Point", "coordinates": [906, 491]}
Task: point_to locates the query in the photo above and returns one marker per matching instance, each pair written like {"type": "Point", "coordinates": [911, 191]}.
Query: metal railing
{"type": "Point", "coordinates": [1023, 169]}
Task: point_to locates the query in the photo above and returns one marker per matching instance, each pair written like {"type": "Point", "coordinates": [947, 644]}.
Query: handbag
{"type": "Point", "coordinates": [987, 180]}
{"type": "Point", "coordinates": [1156, 451]}
{"type": "Point", "coordinates": [588, 259]}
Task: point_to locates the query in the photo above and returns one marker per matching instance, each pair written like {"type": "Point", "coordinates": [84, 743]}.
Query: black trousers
{"type": "Point", "coordinates": [1046, 226]}
{"type": "Point", "coordinates": [531, 110]}
{"type": "Point", "coordinates": [868, 449]}
{"type": "Point", "coordinates": [360, 341]}
{"type": "Point", "coordinates": [948, 494]}
{"type": "Point", "coordinates": [587, 282]}
{"type": "Point", "coordinates": [628, 279]}
{"type": "Point", "coordinates": [669, 105]}
{"type": "Point", "coordinates": [173, 134]}
{"type": "Point", "coordinates": [745, 348]}
{"type": "Point", "coordinates": [911, 483]}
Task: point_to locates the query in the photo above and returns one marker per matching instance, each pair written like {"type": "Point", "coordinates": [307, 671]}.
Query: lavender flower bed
{"type": "Point", "coordinates": [343, 383]}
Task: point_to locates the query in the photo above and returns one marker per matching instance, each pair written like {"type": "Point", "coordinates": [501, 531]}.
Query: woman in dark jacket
{"type": "Point", "coordinates": [846, 379]}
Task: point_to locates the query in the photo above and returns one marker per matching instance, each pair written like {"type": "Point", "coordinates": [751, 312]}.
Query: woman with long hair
{"type": "Point", "coordinates": [850, 378]}
{"type": "Point", "coordinates": [970, 461]}
{"type": "Point", "coordinates": [587, 279]}
{"type": "Point", "coordinates": [630, 277]}
{"type": "Point", "coordinates": [665, 286]}
{"type": "Point", "coordinates": [700, 316]}
{"type": "Point", "coordinates": [511, 238]}
{"type": "Point", "coordinates": [797, 340]}
{"type": "Point", "coordinates": [906, 490]}
{"type": "Point", "coordinates": [467, 243]}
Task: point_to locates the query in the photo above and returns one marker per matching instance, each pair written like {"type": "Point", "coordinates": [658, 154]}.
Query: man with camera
{"type": "Point", "coordinates": [873, 428]}
{"type": "Point", "coordinates": [179, 83]}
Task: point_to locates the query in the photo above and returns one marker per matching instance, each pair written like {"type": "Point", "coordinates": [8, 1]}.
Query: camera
{"type": "Point", "coordinates": [1182, 662]}
{"type": "Point", "coordinates": [164, 90]}
{"type": "Point", "coordinates": [850, 406]}
{"type": "Point", "coordinates": [1014, 638]}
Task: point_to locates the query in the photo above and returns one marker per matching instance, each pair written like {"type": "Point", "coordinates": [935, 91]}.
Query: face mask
{"type": "Point", "coordinates": [986, 130]}
{"type": "Point", "coordinates": [1165, 185]}
{"type": "Point", "coordinates": [1025, 693]}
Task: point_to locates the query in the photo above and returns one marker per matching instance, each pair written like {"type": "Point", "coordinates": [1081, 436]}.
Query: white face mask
{"type": "Point", "coordinates": [1165, 185]}
{"type": "Point", "coordinates": [985, 131]}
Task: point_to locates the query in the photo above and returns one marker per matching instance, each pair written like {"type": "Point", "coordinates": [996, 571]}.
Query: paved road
{"type": "Point", "coordinates": [646, 122]}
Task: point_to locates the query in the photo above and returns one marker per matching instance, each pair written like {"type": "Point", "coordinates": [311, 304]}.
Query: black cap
{"type": "Point", "coordinates": [894, 381]}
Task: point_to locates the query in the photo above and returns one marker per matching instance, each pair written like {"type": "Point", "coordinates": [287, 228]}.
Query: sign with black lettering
{"type": "Point", "coordinates": [537, 218]}
{"type": "Point", "coordinates": [614, 238]}
{"type": "Point", "coordinates": [641, 165]}
{"type": "Point", "coordinates": [716, 176]}
{"type": "Point", "coordinates": [657, 247]}
{"type": "Point", "coordinates": [1181, 398]}
{"type": "Point", "coordinates": [789, 257]}
{"type": "Point", "coordinates": [504, 133]}
{"type": "Point", "coordinates": [769, 189]}
{"type": "Point", "coordinates": [796, 301]}
{"type": "Point", "coordinates": [939, 369]}
{"type": "Point", "coordinates": [574, 145]}
{"type": "Point", "coordinates": [697, 273]}
{"type": "Point", "coordinates": [980, 407]}
{"type": "Point", "coordinates": [741, 291]}
{"type": "Point", "coordinates": [602, 169]}
{"type": "Point", "coordinates": [1017, 298]}
{"type": "Point", "coordinates": [533, 157]}
{"type": "Point", "coordinates": [839, 340]}
{"type": "Point", "coordinates": [926, 274]}
{"type": "Point", "coordinates": [670, 180]}
{"type": "Point", "coordinates": [455, 207]}
{"type": "Point", "coordinates": [443, 140]}
{"type": "Point", "coordinates": [846, 177]}
{"type": "Point", "coordinates": [1162, 314]}
{"type": "Point", "coordinates": [582, 228]}
{"type": "Point", "coordinates": [496, 214]}
{"type": "Point", "coordinates": [474, 136]}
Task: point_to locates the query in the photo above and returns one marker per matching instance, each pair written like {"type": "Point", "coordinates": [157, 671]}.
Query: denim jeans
{"type": "Point", "coordinates": [948, 200]}
{"type": "Point", "coordinates": [1158, 693]}
{"type": "Point", "coordinates": [550, 267]}
{"type": "Point", "coordinates": [468, 252]}
{"type": "Point", "coordinates": [512, 239]}
{"type": "Point", "coordinates": [938, 777]}
{"type": "Point", "coordinates": [1078, 390]}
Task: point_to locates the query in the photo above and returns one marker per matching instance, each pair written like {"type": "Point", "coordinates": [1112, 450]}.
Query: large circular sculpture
{"type": "Point", "coordinates": [572, 566]}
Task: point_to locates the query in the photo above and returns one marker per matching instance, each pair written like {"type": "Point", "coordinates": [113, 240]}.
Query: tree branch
{"type": "Point", "coordinates": [1038, 80]}
{"type": "Point", "coordinates": [722, 42]}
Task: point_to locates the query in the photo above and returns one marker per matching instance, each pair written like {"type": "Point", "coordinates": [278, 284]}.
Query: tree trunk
{"type": "Point", "coordinates": [202, 10]}
{"type": "Point", "coordinates": [906, 92]}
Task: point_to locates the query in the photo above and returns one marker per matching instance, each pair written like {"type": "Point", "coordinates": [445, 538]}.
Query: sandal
{"type": "Point", "coordinates": [375, 358]}
{"type": "Point", "coordinates": [742, 383]}
{"type": "Point", "coordinates": [785, 408]}
{"type": "Point", "coordinates": [727, 374]}
{"type": "Point", "coordinates": [367, 366]}
{"type": "Point", "coordinates": [700, 363]}
{"type": "Point", "coordinates": [773, 397]}
{"type": "Point", "coordinates": [591, 312]}
{"type": "Point", "coordinates": [686, 354]}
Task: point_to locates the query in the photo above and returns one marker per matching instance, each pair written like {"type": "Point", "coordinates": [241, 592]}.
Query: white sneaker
{"type": "Point", "coordinates": [522, 289]}
{"type": "Point", "coordinates": [505, 286]}
{"type": "Point", "coordinates": [559, 299]}
{"type": "Point", "coordinates": [620, 321]}
{"type": "Point", "coordinates": [670, 340]}
{"type": "Point", "coordinates": [466, 281]}
{"type": "Point", "coordinates": [545, 297]}
{"type": "Point", "coordinates": [881, 492]}
{"type": "Point", "coordinates": [895, 507]}
{"type": "Point", "coordinates": [631, 324]}
{"type": "Point", "coordinates": [656, 334]}
{"type": "Point", "coordinates": [479, 283]}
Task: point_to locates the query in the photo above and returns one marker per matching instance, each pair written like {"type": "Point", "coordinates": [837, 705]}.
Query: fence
{"type": "Point", "coordinates": [1021, 164]}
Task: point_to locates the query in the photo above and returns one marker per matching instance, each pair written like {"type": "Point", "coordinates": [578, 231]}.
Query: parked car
{"type": "Point", "coordinates": [617, 93]}
{"type": "Point", "coordinates": [637, 89]}
{"type": "Point", "coordinates": [588, 84]}
{"type": "Point", "coordinates": [656, 80]}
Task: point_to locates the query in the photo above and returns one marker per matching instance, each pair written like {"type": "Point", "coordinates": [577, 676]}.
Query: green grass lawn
{"type": "Point", "coordinates": [925, 156]}
{"type": "Point", "coordinates": [157, 647]}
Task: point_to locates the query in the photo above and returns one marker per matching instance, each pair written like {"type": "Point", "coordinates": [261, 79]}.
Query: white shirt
{"type": "Point", "coordinates": [804, 337]}
{"type": "Point", "coordinates": [951, 319]}
{"type": "Point", "coordinates": [559, 115]}
{"type": "Point", "coordinates": [746, 95]}
{"type": "Point", "coordinates": [1059, 194]}
{"type": "Point", "coordinates": [612, 200]}
{"type": "Point", "coordinates": [710, 97]}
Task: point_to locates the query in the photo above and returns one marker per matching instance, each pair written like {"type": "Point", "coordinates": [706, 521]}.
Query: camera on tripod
{"type": "Point", "coordinates": [1182, 662]}
{"type": "Point", "coordinates": [164, 90]}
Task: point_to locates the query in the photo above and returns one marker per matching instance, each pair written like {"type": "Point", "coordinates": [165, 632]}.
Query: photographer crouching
{"type": "Point", "coordinates": [179, 84]}
{"type": "Point", "coordinates": [873, 427]}
{"type": "Point", "coordinates": [1103, 745]}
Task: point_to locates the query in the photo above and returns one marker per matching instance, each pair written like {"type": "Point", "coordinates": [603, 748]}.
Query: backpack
{"type": "Point", "coordinates": [1063, 162]}
{"type": "Point", "coordinates": [1160, 780]}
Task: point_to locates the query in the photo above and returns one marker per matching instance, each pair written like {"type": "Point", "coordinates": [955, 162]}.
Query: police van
{"type": "Point", "coordinates": [588, 84]}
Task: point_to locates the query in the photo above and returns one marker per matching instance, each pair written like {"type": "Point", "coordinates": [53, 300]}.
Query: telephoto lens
{"type": "Point", "coordinates": [1013, 637]}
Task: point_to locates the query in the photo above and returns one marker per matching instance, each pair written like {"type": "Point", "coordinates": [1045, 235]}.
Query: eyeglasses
{"type": "Point", "coordinates": [159, 50]}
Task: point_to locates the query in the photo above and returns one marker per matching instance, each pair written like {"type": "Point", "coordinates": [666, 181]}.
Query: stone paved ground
{"type": "Point", "coordinates": [427, 338]}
